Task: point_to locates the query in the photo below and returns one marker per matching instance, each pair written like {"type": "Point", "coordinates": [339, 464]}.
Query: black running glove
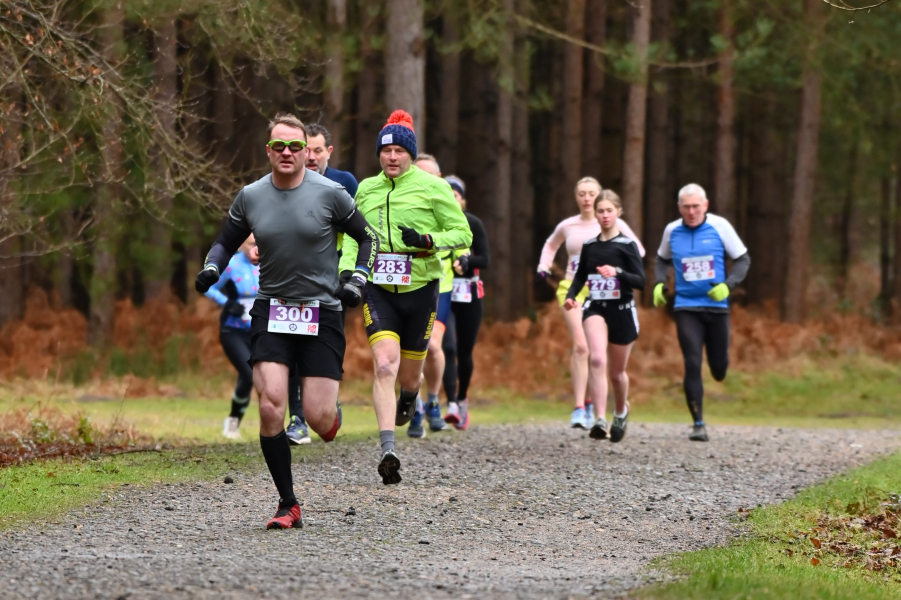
{"type": "Point", "coordinates": [463, 259]}
{"type": "Point", "coordinates": [413, 239]}
{"type": "Point", "coordinates": [234, 308]}
{"type": "Point", "coordinates": [351, 293]}
{"type": "Point", "coordinates": [206, 279]}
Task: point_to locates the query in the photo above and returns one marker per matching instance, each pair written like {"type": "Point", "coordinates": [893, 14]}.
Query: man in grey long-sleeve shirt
{"type": "Point", "coordinates": [697, 244]}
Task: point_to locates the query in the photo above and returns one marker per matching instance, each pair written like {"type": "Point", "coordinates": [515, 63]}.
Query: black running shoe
{"type": "Point", "coordinates": [404, 411]}
{"type": "Point", "coordinates": [698, 434]}
{"type": "Point", "coordinates": [389, 468]}
{"type": "Point", "coordinates": [618, 429]}
{"type": "Point", "coordinates": [599, 429]}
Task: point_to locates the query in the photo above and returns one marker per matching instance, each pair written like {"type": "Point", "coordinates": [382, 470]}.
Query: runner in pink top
{"type": "Point", "coordinates": [573, 232]}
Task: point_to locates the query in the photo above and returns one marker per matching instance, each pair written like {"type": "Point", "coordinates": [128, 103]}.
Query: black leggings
{"type": "Point", "coordinates": [449, 346]}
{"type": "Point", "coordinates": [236, 344]}
{"type": "Point", "coordinates": [697, 329]}
{"type": "Point", "coordinates": [469, 318]}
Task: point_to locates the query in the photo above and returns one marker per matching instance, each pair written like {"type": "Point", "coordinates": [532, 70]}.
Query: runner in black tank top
{"type": "Point", "coordinates": [611, 267]}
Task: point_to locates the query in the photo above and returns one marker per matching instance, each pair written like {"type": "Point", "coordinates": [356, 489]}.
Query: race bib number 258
{"type": "Point", "coordinates": [297, 318]}
{"type": "Point", "coordinates": [698, 268]}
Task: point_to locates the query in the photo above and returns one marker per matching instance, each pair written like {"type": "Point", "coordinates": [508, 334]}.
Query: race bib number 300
{"type": "Point", "coordinates": [393, 269]}
{"type": "Point", "coordinates": [698, 268]}
{"type": "Point", "coordinates": [298, 318]}
{"type": "Point", "coordinates": [604, 288]}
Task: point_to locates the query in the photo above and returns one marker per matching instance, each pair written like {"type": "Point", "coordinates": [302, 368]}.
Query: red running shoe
{"type": "Point", "coordinates": [286, 518]}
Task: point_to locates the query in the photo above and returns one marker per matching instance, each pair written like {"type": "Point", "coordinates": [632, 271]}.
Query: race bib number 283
{"type": "Point", "coordinates": [393, 269]}
{"type": "Point", "coordinates": [298, 318]}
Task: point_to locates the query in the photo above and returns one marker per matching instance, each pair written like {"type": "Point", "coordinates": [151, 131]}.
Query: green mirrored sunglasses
{"type": "Point", "coordinates": [293, 145]}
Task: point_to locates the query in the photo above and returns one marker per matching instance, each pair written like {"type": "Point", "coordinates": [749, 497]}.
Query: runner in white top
{"type": "Point", "coordinates": [573, 232]}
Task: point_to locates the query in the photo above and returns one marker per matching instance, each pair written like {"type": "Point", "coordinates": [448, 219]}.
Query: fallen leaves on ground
{"type": "Point", "coordinates": [866, 537]}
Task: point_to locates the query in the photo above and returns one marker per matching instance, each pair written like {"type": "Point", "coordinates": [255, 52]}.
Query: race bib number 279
{"type": "Point", "coordinates": [298, 318]}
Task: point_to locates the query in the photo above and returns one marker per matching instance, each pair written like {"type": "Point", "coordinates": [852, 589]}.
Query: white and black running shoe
{"type": "Point", "coordinates": [389, 468]}
{"type": "Point", "coordinates": [599, 429]}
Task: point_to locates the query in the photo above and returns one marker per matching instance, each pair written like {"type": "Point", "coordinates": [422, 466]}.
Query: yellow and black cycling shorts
{"type": "Point", "coordinates": [406, 317]}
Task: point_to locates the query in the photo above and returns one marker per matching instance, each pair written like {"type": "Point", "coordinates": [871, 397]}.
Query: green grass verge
{"type": "Point", "coordinates": [857, 391]}
{"type": "Point", "coordinates": [759, 567]}
{"type": "Point", "coordinates": [47, 489]}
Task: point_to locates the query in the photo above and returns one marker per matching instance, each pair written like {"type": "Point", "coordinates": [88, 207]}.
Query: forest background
{"type": "Point", "coordinates": [126, 128]}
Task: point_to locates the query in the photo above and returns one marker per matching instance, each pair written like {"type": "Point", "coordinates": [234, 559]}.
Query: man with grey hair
{"type": "Point", "coordinates": [698, 244]}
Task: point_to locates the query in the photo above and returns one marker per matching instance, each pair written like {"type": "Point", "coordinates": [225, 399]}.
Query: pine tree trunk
{"type": "Point", "coordinates": [766, 211]}
{"type": "Point", "coordinates": [449, 111]}
{"type": "Point", "coordinates": [501, 251]}
{"type": "Point", "coordinates": [571, 140]}
{"type": "Point", "coordinates": [886, 280]}
{"type": "Point", "coordinates": [724, 180]}
{"type": "Point", "coordinates": [334, 77]}
{"type": "Point", "coordinates": [636, 114]}
{"type": "Point", "coordinates": [102, 288]}
{"type": "Point", "coordinates": [804, 179]}
{"type": "Point", "coordinates": [895, 193]}
{"type": "Point", "coordinates": [845, 255]}
{"type": "Point", "coordinates": [522, 191]}
{"type": "Point", "coordinates": [367, 122]}
{"type": "Point", "coordinates": [223, 116]}
{"type": "Point", "coordinates": [12, 284]}
{"type": "Point", "coordinates": [592, 103]}
{"type": "Point", "coordinates": [405, 62]}
{"type": "Point", "coordinates": [659, 194]}
{"type": "Point", "coordinates": [159, 277]}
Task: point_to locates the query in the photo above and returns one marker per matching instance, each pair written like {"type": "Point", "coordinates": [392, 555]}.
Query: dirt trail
{"type": "Point", "coordinates": [500, 512]}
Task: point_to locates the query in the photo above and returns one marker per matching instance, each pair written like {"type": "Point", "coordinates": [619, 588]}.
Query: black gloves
{"type": "Point", "coordinates": [415, 240]}
{"type": "Point", "coordinates": [463, 259]}
{"type": "Point", "coordinates": [234, 308]}
{"type": "Point", "coordinates": [350, 292]}
{"type": "Point", "coordinates": [206, 279]}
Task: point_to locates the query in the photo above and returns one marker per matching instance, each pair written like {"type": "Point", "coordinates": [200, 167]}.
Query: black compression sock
{"type": "Point", "coordinates": [386, 438]}
{"type": "Point", "coordinates": [239, 406]}
{"type": "Point", "coordinates": [696, 407]}
{"type": "Point", "coordinates": [277, 453]}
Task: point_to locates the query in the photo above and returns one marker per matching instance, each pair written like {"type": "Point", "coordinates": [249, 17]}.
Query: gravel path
{"type": "Point", "coordinates": [500, 512]}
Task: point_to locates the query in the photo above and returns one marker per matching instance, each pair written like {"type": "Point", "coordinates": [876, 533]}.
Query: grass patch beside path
{"type": "Point", "coordinates": [774, 562]}
{"type": "Point", "coordinates": [47, 489]}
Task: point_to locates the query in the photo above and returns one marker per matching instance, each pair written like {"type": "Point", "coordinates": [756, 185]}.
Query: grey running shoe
{"type": "Point", "coordinates": [618, 430]}
{"type": "Point", "coordinates": [579, 419]}
{"type": "Point", "coordinates": [463, 423]}
{"type": "Point", "coordinates": [599, 429]}
{"type": "Point", "coordinates": [389, 468]}
{"type": "Point", "coordinates": [417, 423]}
{"type": "Point", "coordinates": [698, 434]}
{"type": "Point", "coordinates": [297, 431]}
{"type": "Point", "coordinates": [404, 410]}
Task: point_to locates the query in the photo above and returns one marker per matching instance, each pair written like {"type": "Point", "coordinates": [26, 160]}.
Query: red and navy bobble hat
{"type": "Point", "coordinates": [398, 131]}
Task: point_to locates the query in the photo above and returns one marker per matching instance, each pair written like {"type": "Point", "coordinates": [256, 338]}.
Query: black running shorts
{"type": "Point", "coordinates": [621, 318]}
{"type": "Point", "coordinates": [319, 355]}
{"type": "Point", "coordinates": [407, 317]}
